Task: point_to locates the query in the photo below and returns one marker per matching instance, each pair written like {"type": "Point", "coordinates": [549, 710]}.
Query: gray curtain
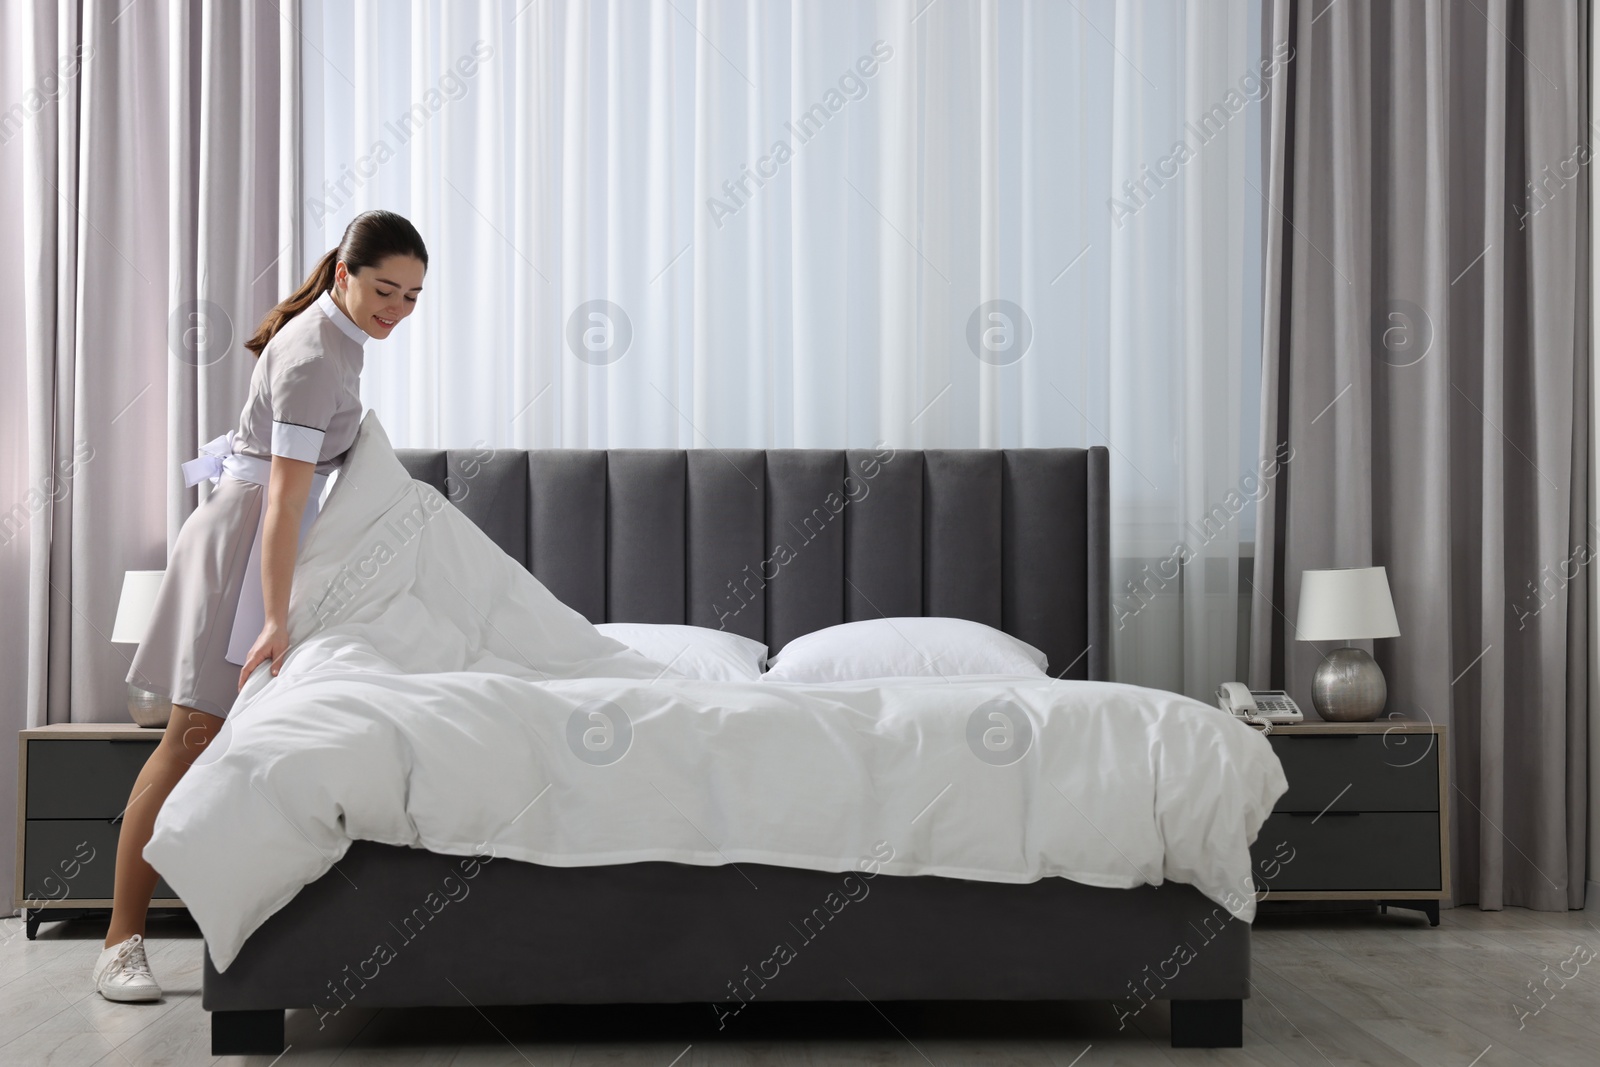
{"type": "Point", "coordinates": [142, 179]}
{"type": "Point", "coordinates": [1426, 357]}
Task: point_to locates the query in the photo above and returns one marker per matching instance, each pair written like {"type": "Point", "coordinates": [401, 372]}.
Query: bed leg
{"type": "Point", "coordinates": [247, 1033]}
{"type": "Point", "coordinates": [1208, 1024]}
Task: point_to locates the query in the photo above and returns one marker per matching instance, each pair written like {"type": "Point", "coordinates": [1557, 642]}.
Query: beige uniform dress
{"type": "Point", "coordinates": [304, 403]}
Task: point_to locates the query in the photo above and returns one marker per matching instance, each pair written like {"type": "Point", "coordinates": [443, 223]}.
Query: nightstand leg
{"type": "Point", "coordinates": [1430, 908]}
{"type": "Point", "coordinates": [30, 916]}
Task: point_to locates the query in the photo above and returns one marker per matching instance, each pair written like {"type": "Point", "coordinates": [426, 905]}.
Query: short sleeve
{"type": "Point", "coordinates": [304, 395]}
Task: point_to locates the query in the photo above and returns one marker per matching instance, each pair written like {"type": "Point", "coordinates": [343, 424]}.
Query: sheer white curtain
{"type": "Point", "coordinates": [936, 224]}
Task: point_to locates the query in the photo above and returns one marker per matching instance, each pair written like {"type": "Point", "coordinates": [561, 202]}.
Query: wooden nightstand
{"type": "Point", "coordinates": [73, 782]}
{"type": "Point", "coordinates": [1366, 817]}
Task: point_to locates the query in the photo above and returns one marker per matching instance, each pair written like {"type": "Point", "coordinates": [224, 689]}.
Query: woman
{"type": "Point", "coordinates": [224, 602]}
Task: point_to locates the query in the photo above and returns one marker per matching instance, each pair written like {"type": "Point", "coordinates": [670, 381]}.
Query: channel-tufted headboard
{"type": "Point", "coordinates": [775, 544]}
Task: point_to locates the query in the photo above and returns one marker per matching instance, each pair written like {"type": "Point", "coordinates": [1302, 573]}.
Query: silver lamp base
{"type": "Point", "coordinates": [1349, 687]}
{"type": "Point", "coordinates": [148, 709]}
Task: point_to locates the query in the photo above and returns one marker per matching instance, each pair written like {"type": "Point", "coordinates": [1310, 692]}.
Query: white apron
{"type": "Point", "coordinates": [217, 457]}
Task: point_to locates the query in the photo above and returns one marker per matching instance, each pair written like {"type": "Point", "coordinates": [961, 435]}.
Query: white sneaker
{"type": "Point", "coordinates": [123, 973]}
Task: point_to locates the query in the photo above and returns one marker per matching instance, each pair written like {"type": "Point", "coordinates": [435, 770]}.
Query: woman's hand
{"type": "Point", "coordinates": [272, 644]}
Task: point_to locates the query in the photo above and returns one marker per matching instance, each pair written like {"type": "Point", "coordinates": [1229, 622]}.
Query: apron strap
{"type": "Point", "coordinates": [209, 463]}
{"type": "Point", "coordinates": [217, 457]}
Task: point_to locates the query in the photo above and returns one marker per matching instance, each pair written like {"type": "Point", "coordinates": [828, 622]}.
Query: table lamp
{"type": "Point", "coordinates": [1352, 604]}
{"type": "Point", "coordinates": [133, 616]}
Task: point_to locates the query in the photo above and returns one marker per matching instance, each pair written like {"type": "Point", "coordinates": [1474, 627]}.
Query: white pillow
{"type": "Point", "coordinates": [903, 648]}
{"type": "Point", "coordinates": [693, 651]}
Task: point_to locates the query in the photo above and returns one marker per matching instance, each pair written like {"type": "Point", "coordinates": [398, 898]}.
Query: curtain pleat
{"type": "Point", "coordinates": [721, 225]}
{"type": "Point", "coordinates": [1425, 338]}
{"type": "Point", "coordinates": [149, 249]}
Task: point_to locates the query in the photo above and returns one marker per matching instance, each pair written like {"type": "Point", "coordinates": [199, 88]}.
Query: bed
{"type": "Point", "coordinates": [1015, 538]}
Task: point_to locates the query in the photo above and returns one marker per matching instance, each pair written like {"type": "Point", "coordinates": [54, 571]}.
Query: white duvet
{"type": "Point", "coordinates": [437, 696]}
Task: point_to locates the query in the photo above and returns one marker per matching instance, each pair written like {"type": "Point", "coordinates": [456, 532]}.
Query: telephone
{"type": "Point", "coordinates": [1258, 705]}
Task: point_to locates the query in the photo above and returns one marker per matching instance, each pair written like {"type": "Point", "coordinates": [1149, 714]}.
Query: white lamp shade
{"type": "Point", "coordinates": [1346, 605]}
{"type": "Point", "coordinates": [137, 603]}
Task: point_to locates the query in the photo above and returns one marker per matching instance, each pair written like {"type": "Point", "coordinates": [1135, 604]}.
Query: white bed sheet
{"type": "Point", "coordinates": [437, 696]}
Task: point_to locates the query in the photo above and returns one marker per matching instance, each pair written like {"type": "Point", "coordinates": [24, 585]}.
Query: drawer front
{"type": "Point", "coordinates": [1394, 772]}
{"type": "Point", "coordinates": [87, 779]}
{"type": "Point", "coordinates": [72, 859]}
{"type": "Point", "coordinates": [1381, 852]}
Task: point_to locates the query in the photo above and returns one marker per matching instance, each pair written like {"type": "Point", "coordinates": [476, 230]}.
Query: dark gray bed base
{"type": "Point", "coordinates": [505, 932]}
{"type": "Point", "coordinates": [1016, 538]}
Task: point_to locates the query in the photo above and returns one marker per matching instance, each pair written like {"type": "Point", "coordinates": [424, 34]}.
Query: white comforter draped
{"type": "Point", "coordinates": [437, 696]}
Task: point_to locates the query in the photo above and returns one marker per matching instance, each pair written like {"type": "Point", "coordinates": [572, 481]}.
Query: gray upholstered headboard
{"type": "Point", "coordinates": [778, 543]}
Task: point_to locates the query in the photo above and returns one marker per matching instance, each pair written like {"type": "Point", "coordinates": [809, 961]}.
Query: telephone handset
{"type": "Point", "coordinates": [1258, 705]}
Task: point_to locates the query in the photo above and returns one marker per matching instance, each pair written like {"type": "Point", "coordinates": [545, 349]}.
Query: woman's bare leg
{"type": "Point", "coordinates": [188, 733]}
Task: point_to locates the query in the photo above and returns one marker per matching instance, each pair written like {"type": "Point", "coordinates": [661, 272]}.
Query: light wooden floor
{"type": "Point", "coordinates": [1330, 989]}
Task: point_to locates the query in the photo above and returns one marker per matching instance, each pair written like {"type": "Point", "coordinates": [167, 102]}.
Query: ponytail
{"type": "Point", "coordinates": [320, 281]}
{"type": "Point", "coordinates": [371, 237]}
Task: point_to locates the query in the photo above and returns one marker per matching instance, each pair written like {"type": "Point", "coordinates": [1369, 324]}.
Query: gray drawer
{"type": "Point", "coordinates": [1376, 851]}
{"type": "Point", "coordinates": [1366, 772]}
{"type": "Point", "coordinates": [83, 779]}
{"type": "Point", "coordinates": [72, 859]}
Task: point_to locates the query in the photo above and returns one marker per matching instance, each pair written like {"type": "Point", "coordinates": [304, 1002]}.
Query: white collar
{"type": "Point", "coordinates": [340, 319]}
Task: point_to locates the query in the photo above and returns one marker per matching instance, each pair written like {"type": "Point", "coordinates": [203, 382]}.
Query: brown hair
{"type": "Point", "coordinates": [371, 237]}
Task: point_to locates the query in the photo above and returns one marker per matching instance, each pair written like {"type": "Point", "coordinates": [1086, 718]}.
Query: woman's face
{"type": "Point", "coordinates": [376, 298]}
